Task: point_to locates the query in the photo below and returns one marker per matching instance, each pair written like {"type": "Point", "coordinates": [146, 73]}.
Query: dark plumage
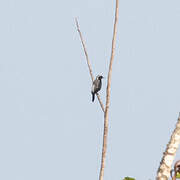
{"type": "Point", "coordinates": [96, 86]}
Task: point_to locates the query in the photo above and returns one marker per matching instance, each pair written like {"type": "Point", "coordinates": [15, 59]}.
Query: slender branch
{"type": "Point", "coordinates": [104, 149]}
{"type": "Point", "coordinates": [100, 102]}
{"type": "Point", "coordinates": [85, 51]}
{"type": "Point", "coordinates": [88, 62]}
{"type": "Point", "coordinates": [163, 172]}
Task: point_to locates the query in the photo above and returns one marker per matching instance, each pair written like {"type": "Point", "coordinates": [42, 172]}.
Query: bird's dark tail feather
{"type": "Point", "coordinates": [93, 97]}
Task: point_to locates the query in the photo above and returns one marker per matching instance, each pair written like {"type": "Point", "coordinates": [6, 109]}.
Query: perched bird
{"type": "Point", "coordinates": [96, 86]}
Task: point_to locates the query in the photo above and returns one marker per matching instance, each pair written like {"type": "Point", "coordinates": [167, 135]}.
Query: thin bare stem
{"type": "Point", "coordinates": [88, 62]}
{"type": "Point", "coordinates": [164, 169]}
{"type": "Point", "coordinates": [100, 102]}
{"type": "Point", "coordinates": [85, 51]}
{"type": "Point", "coordinates": [104, 149]}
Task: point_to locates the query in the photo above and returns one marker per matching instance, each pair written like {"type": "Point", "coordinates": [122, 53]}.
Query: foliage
{"type": "Point", "coordinates": [128, 178]}
{"type": "Point", "coordinates": [178, 175]}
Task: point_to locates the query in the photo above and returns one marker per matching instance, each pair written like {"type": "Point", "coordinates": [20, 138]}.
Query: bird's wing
{"type": "Point", "coordinates": [94, 86]}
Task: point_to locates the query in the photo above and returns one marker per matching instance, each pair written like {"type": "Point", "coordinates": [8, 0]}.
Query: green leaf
{"type": "Point", "coordinates": [128, 178]}
{"type": "Point", "coordinates": [178, 175]}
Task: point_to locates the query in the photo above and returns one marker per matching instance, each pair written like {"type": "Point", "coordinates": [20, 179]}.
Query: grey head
{"type": "Point", "coordinates": [99, 77]}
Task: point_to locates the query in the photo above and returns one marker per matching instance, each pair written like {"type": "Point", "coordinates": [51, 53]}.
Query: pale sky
{"type": "Point", "coordinates": [49, 128]}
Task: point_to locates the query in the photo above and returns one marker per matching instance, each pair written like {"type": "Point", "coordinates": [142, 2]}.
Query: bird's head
{"type": "Point", "coordinates": [99, 77]}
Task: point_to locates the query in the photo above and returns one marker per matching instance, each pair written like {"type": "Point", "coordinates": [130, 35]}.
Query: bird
{"type": "Point", "coordinates": [96, 86]}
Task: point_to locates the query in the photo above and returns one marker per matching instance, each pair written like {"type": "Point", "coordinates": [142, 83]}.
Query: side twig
{"type": "Point", "coordinates": [104, 149]}
{"type": "Point", "coordinates": [163, 172]}
{"type": "Point", "coordinates": [88, 63]}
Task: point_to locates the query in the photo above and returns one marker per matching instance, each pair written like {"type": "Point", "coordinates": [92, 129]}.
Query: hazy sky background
{"type": "Point", "coordinates": [49, 128]}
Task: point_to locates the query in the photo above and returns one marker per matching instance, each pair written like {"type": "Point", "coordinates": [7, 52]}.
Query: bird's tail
{"type": "Point", "coordinates": [93, 97]}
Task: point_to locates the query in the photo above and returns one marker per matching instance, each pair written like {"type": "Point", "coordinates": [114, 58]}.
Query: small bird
{"type": "Point", "coordinates": [96, 86]}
